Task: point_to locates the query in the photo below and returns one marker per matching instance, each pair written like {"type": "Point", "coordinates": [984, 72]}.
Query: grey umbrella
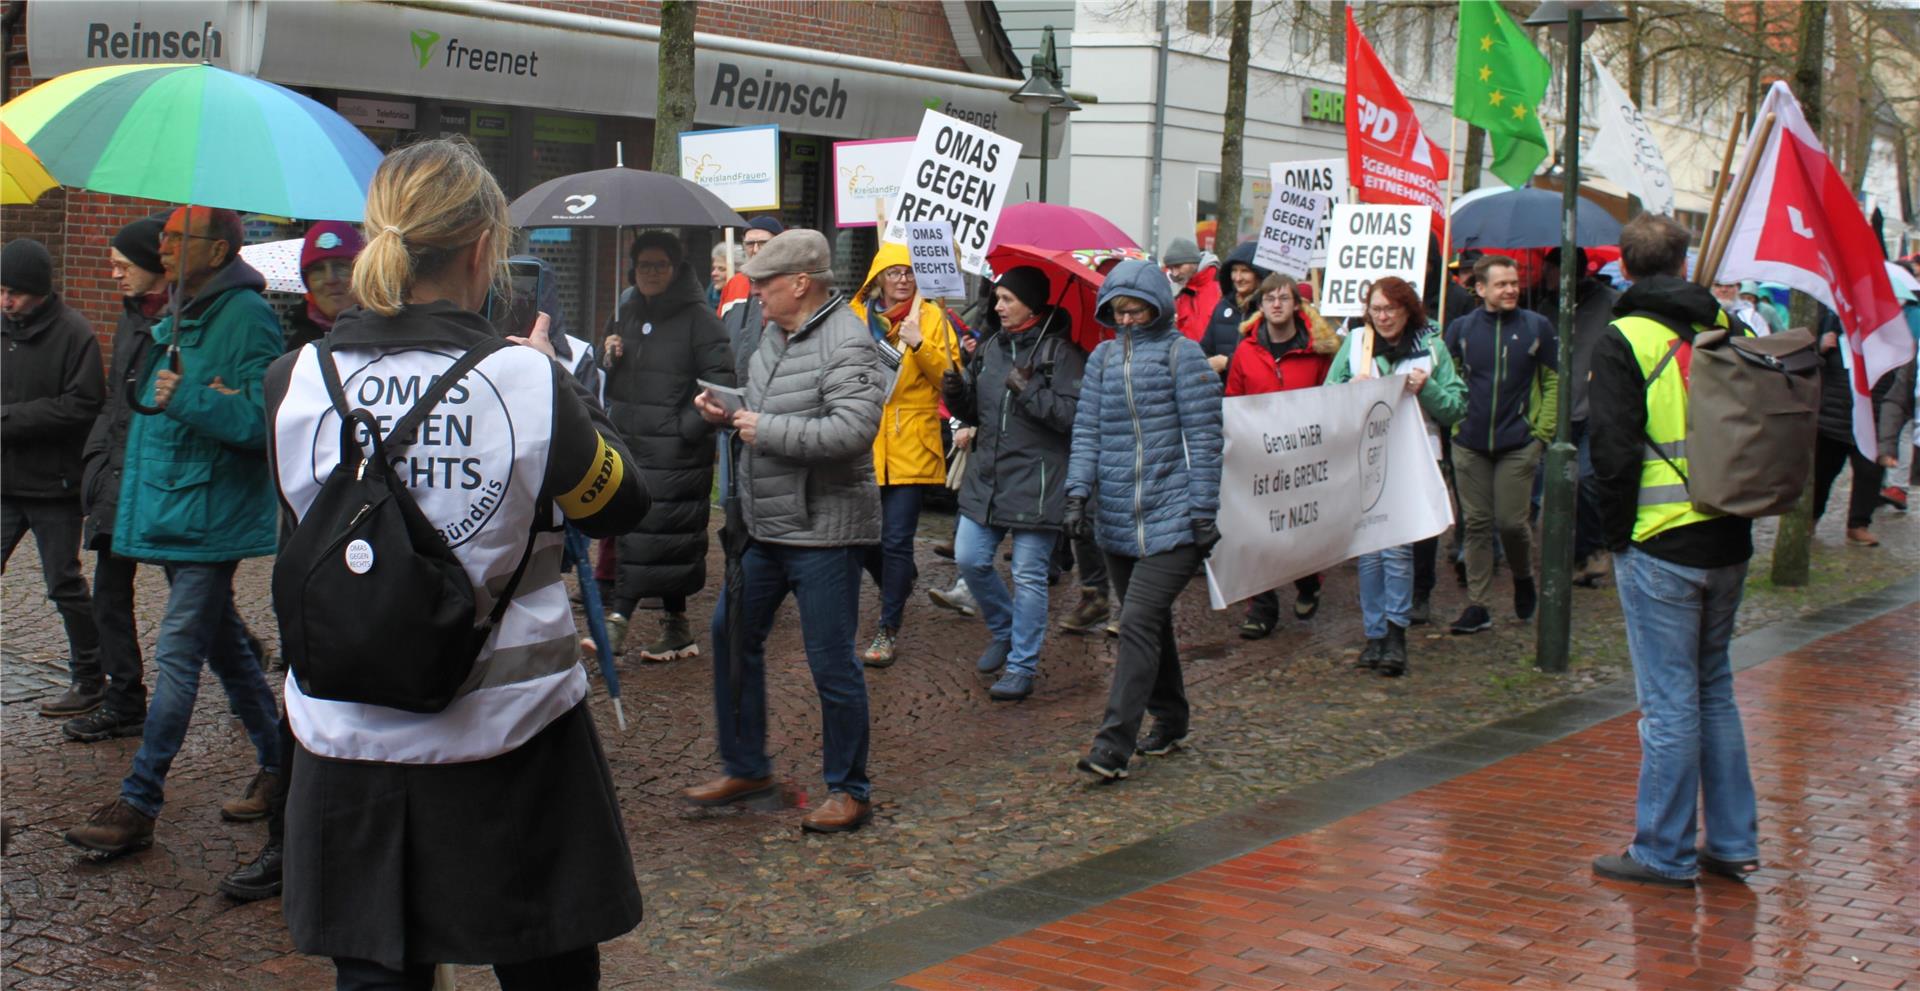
{"type": "Point", "coordinates": [1528, 218]}
{"type": "Point", "coordinates": [621, 197]}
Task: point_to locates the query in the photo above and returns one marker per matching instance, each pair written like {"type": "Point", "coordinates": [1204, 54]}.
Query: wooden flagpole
{"type": "Point", "coordinates": [1710, 264]}
{"type": "Point", "coordinates": [1720, 188]}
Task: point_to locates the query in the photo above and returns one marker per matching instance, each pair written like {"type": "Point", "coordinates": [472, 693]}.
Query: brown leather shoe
{"type": "Point", "coordinates": [841, 813]}
{"type": "Point", "coordinates": [728, 790]}
{"type": "Point", "coordinates": [113, 829]}
{"type": "Point", "coordinates": [252, 805]}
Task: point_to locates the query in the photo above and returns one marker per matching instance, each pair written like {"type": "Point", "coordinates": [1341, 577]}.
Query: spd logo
{"type": "Point", "coordinates": [1377, 123]}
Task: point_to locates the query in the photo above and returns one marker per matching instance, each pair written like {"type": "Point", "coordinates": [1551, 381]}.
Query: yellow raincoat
{"type": "Point", "coordinates": [907, 450]}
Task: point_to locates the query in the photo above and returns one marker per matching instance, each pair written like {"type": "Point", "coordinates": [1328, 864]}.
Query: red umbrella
{"type": "Point", "coordinates": [1072, 286]}
{"type": "Point", "coordinates": [1051, 225]}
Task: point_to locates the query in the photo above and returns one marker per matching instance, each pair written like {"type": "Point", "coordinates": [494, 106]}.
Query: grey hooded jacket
{"type": "Point", "coordinates": [808, 476]}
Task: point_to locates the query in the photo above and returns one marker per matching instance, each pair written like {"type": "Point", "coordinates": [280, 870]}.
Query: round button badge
{"type": "Point", "coordinates": [359, 557]}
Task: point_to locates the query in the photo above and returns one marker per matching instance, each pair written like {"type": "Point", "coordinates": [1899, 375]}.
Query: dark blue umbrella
{"type": "Point", "coordinates": [1529, 218]}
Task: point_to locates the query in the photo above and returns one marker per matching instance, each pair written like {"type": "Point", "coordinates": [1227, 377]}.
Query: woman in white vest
{"type": "Point", "coordinates": [488, 832]}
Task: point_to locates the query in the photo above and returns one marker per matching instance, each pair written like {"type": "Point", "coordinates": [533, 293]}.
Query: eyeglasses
{"type": "Point", "coordinates": [331, 270]}
{"type": "Point", "coordinates": [755, 242]}
{"type": "Point", "coordinates": [1132, 314]}
{"type": "Point", "coordinates": [653, 266]}
{"type": "Point", "coordinates": [1276, 298]}
{"type": "Point", "coordinates": [1384, 311]}
{"type": "Point", "coordinates": [897, 275]}
{"type": "Point", "coordinates": [174, 236]}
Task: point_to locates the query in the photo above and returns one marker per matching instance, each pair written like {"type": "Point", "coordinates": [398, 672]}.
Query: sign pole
{"type": "Point", "coordinates": [1720, 188]}
{"type": "Point", "coordinates": [1709, 265]}
{"type": "Point", "coordinates": [728, 233]}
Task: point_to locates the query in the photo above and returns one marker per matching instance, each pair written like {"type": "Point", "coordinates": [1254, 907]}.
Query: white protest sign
{"type": "Point", "coordinates": [866, 171]}
{"type": "Point", "coordinates": [1326, 176]}
{"type": "Point", "coordinates": [1313, 477]}
{"type": "Point", "coordinates": [741, 165]}
{"type": "Point", "coordinates": [934, 269]}
{"type": "Point", "coordinates": [959, 174]}
{"type": "Point", "coordinates": [1372, 242]}
{"type": "Point", "coordinates": [1289, 230]}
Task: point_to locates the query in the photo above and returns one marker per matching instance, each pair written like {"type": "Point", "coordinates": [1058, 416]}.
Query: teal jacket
{"type": "Point", "coordinates": [1444, 397]}
{"type": "Point", "coordinates": [196, 486]}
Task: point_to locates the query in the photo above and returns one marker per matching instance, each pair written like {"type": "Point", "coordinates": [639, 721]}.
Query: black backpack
{"type": "Point", "coordinates": [373, 605]}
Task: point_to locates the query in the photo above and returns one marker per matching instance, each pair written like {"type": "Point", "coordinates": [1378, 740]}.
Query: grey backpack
{"type": "Point", "coordinates": [1753, 406]}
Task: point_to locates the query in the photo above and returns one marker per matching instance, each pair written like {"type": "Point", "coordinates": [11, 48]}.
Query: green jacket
{"type": "Point", "coordinates": [196, 486]}
{"type": "Point", "coordinates": [1444, 397]}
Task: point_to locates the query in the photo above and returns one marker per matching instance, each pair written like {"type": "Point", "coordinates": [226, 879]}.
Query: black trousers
{"type": "Point", "coordinates": [1829, 456]}
{"type": "Point", "coordinates": [1146, 674]}
{"type": "Point", "coordinates": [574, 970]}
{"type": "Point", "coordinates": [1265, 606]}
{"type": "Point", "coordinates": [55, 524]}
{"type": "Point", "coordinates": [120, 657]}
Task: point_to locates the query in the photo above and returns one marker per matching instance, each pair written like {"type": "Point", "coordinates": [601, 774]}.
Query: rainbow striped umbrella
{"type": "Point", "coordinates": [26, 179]}
{"type": "Point", "coordinates": [199, 135]}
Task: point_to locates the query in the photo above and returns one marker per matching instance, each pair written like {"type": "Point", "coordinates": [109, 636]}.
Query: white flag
{"type": "Point", "coordinates": [1624, 150]}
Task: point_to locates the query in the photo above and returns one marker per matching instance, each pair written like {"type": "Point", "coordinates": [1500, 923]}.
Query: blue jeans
{"type": "Point", "coordinates": [1022, 619]}
{"type": "Point", "coordinates": [825, 582]}
{"type": "Point", "coordinates": [1386, 589]}
{"type": "Point", "coordinates": [1679, 622]}
{"type": "Point", "coordinates": [200, 622]}
{"type": "Point", "coordinates": [891, 561]}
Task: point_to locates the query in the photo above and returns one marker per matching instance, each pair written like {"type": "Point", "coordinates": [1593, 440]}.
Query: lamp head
{"type": "Point", "coordinates": [1552, 14]}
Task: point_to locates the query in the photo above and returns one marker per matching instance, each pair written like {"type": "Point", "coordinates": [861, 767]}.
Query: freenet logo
{"type": "Point", "coordinates": [459, 56]}
{"type": "Point", "coordinates": [423, 45]}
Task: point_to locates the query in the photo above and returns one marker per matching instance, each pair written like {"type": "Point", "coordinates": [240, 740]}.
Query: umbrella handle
{"type": "Point", "coordinates": [133, 390]}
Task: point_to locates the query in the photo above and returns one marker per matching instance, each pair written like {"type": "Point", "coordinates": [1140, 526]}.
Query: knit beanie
{"type": "Point", "coordinates": [140, 242]}
{"type": "Point", "coordinates": [330, 239]}
{"type": "Point", "coordinates": [771, 225]}
{"type": "Point", "coordinates": [1182, 251]}
{"type": "Point", "coordinates": [26, 267]}
{"type": "Point", "coordinates": [1028, 285]}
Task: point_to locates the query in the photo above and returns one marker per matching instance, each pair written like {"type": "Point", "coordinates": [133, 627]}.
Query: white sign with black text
{"type": "Point", "coordinates": [1313, 477]}
{"type": "Point", "coordinates": [1326, 176]}
{"type": "Point", "coordinates": [935, 270]}
{"type": "Point", "coordinates": [958, 174]}
{"type": "Point", "coordinates": [1372, 242]}
{"type": "Point", "coordinates": [1289, 231]}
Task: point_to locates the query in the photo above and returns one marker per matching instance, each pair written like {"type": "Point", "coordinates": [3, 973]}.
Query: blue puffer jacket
{"type": "Point", "coordinates": [1151, 450]}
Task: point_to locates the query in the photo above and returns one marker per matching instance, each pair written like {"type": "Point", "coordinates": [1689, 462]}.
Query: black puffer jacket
{"type": "Point", "coordinates": [1592, 315]}
{"type": "Point", "coordinates": [106, 449]}
{"type": "Point", "coordinates": [1017, 468]}
{"type": "Point", "coordinates": [668, 342]}
{"type": "Point", "coordinates": [1222, 338]}
{"type": "Point", "coordinates": [1836, 392]}
{"type": "Point", "coordinates": [51, 387]}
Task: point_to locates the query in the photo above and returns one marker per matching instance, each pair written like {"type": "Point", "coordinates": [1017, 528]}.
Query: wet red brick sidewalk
{"type": "Point", "coordinates": [1483, 881]}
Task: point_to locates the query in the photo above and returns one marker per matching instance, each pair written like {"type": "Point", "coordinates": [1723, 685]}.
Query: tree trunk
{"type": "Point", "coordinates": [1476, 150]}
{"type": "Point", "coordinates": [675, 84]}
{"type": "Point", "coordinates": [1233, 131]}
{"type": "Point", "coordinates": [1793, 545]}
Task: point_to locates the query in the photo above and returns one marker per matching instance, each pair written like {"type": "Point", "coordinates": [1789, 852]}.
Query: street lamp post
{"type": "Point", "coordinates": [1555, 633]}
{"type": "Point", "coordinates": [1041, 94]}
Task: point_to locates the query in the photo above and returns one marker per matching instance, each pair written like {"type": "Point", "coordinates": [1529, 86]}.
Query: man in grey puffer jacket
{"type": "Point", "coordinates": [815, 387]}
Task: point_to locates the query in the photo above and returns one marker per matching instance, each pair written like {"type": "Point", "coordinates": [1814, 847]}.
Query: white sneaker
{"type": "Point", "coordinates": [959, 598]}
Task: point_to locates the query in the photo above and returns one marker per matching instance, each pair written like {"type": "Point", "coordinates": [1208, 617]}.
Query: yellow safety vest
{"type": "Point", "coordinates": [1663, 503]}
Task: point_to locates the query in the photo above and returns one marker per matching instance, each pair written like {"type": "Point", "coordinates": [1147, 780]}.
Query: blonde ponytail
{"type": "Point", "coordinates": [427, 202]}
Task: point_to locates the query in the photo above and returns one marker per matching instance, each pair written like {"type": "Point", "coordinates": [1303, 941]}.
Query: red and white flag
{"type": "Point", "coordinates": [1389, 157]}
{"type": "Point", "coordinates": [1801, 227]}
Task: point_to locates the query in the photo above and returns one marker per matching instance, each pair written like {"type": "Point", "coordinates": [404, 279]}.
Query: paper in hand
{"type": "Point", "coordinates": [730, 399]}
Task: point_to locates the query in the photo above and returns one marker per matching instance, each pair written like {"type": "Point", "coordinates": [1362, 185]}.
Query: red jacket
{"type": "Point", "coordinates": [1254, 371]}
{"type": "Point", "coordinates": [1193, 304]}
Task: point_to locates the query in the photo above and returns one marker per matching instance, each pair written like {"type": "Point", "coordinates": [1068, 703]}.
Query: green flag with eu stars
{"type": "Point", "coordinates": [1498, 80]}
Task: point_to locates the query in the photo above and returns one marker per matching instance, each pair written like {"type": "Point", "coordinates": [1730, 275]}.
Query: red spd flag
{"type": "Point", "coordinates": [1801, 227]}
{"type": "Point", "coordinates": [1389, 158]}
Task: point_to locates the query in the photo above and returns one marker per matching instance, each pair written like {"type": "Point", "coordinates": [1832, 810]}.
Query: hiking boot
{"type": "Point", "coordinates": [1012, 687]}
{"type": "Point", "coordinates": [76, 701]}
{"type": "Point", "coordinates": [113, 829]}
{"type": "Point", "coordinates": [1102, 765]}
{"type": "Point", "coordinates": [252, 804]}
{"type": "Point", "coordinates": [1895, 496]}
{"type": "Point", "coordinates": [1526, 598]}
{"type": "Point", "coordinates": [944, 550]}
{"type": "Point", "coordinates": [1393, 652]}
{"type": "Point", "coordinates": [1421, 612]}
{"type": "Point", "coordinates": [1304, 606]}
{"type": "Point", "coordinates": [1473, 619]}
{"type": "Point", "coordinates": [674, 642]}
{"type": "Point", "coordinates": [1256, 628]}
{"type": "Point", "coordinates": [1369, 658]}
{"type": "Point", "coordinates": [255, 880]}
{"type": "Point", "coordinates": [1161, 740]}
{"type": "Point", "coordinates": [1857, 536]}
{"type": "Point", "coordinates": [959, 598]}
{"type": "Point", "coordinates": [617, 632]}
{"type": "Point", "coordinates": [104, 724]}
{"type": "Point", "coordinates": [879, 654]}
{"type": "Point", "coordinates": [1594, 570]}
{"type": "Point", "coordinates": [1092, 611]}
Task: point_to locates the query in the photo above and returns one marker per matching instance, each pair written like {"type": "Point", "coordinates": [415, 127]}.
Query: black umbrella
{"type": "Point", "coordinates": [1528, 218]}
{"type": "Point", "coordinates": [621, 197]}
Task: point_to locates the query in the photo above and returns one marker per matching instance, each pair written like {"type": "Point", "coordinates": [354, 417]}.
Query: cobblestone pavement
{"type": "Point", "coordinates": [1482, 881]}
{"type": "Point", "coordinates": [969, 794]}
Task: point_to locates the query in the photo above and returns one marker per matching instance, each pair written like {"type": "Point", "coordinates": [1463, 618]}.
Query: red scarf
{"type": "Point", "coordinates": [1032, 318]}
{"type": "Point", "coordinates": [321, 320]}
{"type": "Point", "coordinates": [153, 304]}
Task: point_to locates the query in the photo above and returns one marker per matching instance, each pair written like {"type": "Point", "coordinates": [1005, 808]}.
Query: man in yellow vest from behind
{"type": "Point", "coordinates": [1679, 571]}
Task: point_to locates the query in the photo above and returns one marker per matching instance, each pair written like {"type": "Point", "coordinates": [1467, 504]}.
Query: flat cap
{"type": "Point", "coordinates": [790, 252]}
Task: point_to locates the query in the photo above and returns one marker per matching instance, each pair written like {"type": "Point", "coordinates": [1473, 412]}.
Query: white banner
{"type": "Point", "coordinates": [1371, 242]}
{"type": "Point", "coordinates": [1289, 231]}
{"type": "Point", "coordinates": [866, 173]}
{"type": "Point", "coordinates": [1624, 151]}
{"type": "Point", "coordinates": [741, 165]}
{"type": "Point", "coordinates": [959, 174]}
{"type": "Point", "coordinates": [1326, 176]}
{"type": "Point", "coordinates": [935, 271]}
{"type": "Point", "coordinates": [1314, 477]}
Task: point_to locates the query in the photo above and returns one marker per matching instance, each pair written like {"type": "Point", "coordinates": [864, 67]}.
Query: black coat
{"type": "Point", "coordinates": [1592, 315]}
{"type": "Point", "coordinates": [1836, 392]}
{"type": "Point", "coordinates": [668, 342]}
{"type": "Point", "coordinates": [51, 388]}
{"type": "Point", "coordinates": [1223, 327]}
{"type": "Point", "coordinates": [106, 449]}
{"type": "Point", "coordinates": [1017, 468]}
{"type": "Point", "coordinates": [743, 324]}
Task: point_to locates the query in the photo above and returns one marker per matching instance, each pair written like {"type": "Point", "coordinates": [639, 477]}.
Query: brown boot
{"type": "Point", "coordinates": [728, 790]}
{"type": "Point", "coordinates": [1092, 611]}
{"type": "Point", "coordinates": [113, 829]}
{"type": "Point", "coordinates": [842, 813]}
{"type": "Point", "coordinates": [252, 803]}
{"type": "Point", "coordinates": [77, 701]}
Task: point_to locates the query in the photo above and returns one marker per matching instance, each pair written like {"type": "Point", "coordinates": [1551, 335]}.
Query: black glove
{"type": "Point", "coordinates": [1076, 519]}
{"type": "Point", "coordinates": [953, 386]}
{"type": "Point", "coordinates": [1205, 534]}
{"type": "Point", "coordinates": [1017, 379]}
